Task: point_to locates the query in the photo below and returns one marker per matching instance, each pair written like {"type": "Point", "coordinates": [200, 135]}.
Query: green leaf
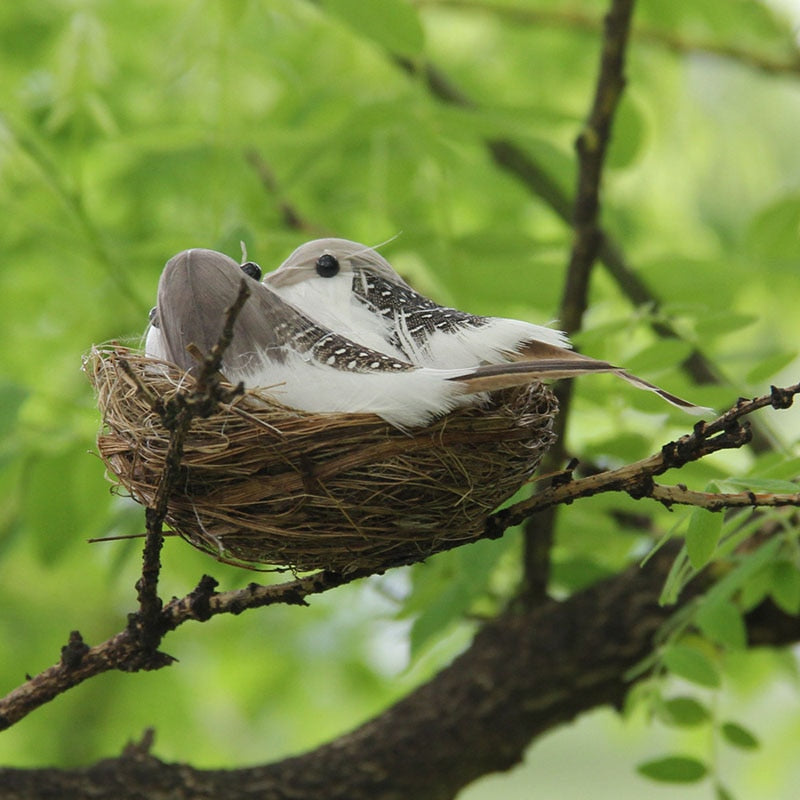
{"type": "Point", "coordinates": [663, 354]}
{"type": "Point", "coordinates": [680, 573]}
{"type": "Point", "coordinates": [722, 623]}
{"type": "Point", "coordinates": [451, 604]}
{"type": "Point", "coordinates": [689, 663]}
{"type": "Point", "coordinates": [628, 136]}
{"type": "Point", "coordinates": [446, 589]}
{"type": "Point", "coordinates": [777, 465]}
{"type": "Point", "coordinates": [773, 485]}
{"type": "Point", "coordinates": [748, 567]}
{"type": "Point", "coordinates": [674, 769]}
{"type": "Point", "coordinates": [393, 24]}
{"type": "Point", "coordinates": [785, 586]}
{"type": "Point", "coordinates": [755, 589]}
{"type": "Point", "coordinates": [739, 736]}
{"type": "Point", "coordinates": [774, 234]}
{"type": "Point", "coordinates": [684, 712]}
{"type": "Point", "coordinates": [702, 536]}
{"type": "Point", "coordinates": [624, 445]}
{"type": "Point", "coordinates": [769, 366]}
{"type": "Point", "coordinates": [577, 573]}
{"type": "Point", "coordinates": [722, 322]}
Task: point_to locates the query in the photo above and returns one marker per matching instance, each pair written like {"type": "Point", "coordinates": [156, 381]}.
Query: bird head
{"type": "Point", "coordinates": [338, 260]}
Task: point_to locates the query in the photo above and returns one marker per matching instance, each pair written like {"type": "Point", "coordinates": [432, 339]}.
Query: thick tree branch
{"type": "Point", "coordinates": [525, 673]}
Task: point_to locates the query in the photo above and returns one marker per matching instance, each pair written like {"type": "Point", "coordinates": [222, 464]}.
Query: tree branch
{"type": "Point", "coordinates": [127, 651]}
{"type": "Point", "coordinates": [591, 146]}
{"type": "Point", "coordinates": [723, 433]}
{"type": "Point", "coordinates": [524, 674]}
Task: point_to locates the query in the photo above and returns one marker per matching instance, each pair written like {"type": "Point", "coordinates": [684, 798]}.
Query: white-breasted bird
{"type": "Point", "coordinates": [303, 363]}
{"type": "Point", "coordinates": [353, 289]}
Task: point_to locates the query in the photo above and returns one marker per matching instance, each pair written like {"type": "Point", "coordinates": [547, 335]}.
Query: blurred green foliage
{"type": "Point", "coordinates": [129, 131]}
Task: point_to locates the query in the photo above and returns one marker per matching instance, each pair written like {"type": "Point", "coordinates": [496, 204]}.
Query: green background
{"type": "Point", "coordinates": [132, 130]}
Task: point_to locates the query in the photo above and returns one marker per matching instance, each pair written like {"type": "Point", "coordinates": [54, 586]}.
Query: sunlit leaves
{"type": "Point", "coordinates": [674, 769]}
{"type": "Point", "coordinates": [693, 664]}
{"type": "Point", "coordinates": [684, 712]}
{"type": "Point", "coordinates": [393, 24]}
{"type": "Point", "coordinates": [702, 535]}
{"type": "Point", "coordinates": [739, 736]}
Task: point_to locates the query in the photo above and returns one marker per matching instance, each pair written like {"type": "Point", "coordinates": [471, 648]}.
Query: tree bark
{"type": "Point", "coordinates": [527, 672]}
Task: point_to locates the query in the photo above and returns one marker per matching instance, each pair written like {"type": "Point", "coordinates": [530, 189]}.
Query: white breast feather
{"type": "Point", "coordinates": [154, 344]}
{"type": "Point", "coordinates": [405, 399]}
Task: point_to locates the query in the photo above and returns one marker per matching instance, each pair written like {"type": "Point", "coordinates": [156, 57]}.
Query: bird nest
{"type": "Point", "coordinates": [265, 485]}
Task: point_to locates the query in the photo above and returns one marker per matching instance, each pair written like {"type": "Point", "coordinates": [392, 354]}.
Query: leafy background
{"type": "Point", "coordinates": [129, 131]}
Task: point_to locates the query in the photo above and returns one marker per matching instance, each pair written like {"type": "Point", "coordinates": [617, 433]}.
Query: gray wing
{"type": "Point", "coordinates": [196, 289]}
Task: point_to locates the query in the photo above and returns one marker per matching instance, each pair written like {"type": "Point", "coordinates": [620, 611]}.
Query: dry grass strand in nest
{"type": "Point", "coordinates": [266, 485]}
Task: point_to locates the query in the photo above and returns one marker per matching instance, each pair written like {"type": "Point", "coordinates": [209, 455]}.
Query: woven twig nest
{"type": "Point", "coordinates": [263, 484]}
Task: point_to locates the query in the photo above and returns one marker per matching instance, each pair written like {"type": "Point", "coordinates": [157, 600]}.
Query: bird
{"type": "Point", "coordinates": [279, 349]}
{"type": "Point", "coordinates": [354, 290]}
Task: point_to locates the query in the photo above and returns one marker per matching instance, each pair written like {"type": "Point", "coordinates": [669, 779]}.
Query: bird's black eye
{"type": "Point", "coordinates": [327, 265]}
{"type": "Point", "coordinates": [153, 316]}
{"type": "Point", "coordinates": [252, 269]}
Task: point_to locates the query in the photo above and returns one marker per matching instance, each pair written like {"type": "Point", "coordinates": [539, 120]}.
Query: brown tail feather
{"type": "Point", "coordinates": [541, 361]}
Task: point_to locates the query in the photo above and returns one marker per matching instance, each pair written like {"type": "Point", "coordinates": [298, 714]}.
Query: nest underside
{"type": "Point", "coordinates": [265, 485]}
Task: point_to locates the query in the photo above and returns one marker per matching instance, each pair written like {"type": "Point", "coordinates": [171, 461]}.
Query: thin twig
{"type": "Point", "coordinates": [292, 218]}
{"type": "Point", "coordinates": [680, 495]}
{"type": "Point", "coordinates": [124, 650]}
{"type": "Point", "coordinates": [591, 146]}
{"type": "Point", "coordinates": [176, 416]}
{"type": "Point", "coordinates": [723, 433]}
